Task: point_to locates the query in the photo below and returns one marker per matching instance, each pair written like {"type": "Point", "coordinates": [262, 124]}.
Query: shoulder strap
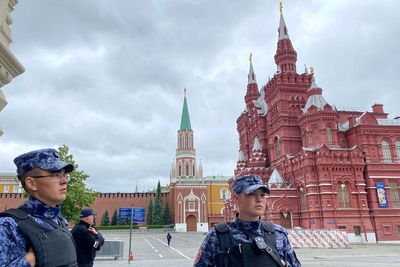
{"type": "Point", "coordinates": [224, 236]}
{"type": "Point", "coordinates": [270, 238]}
{"type": "Point", "coordinates": [269, 233]}
{"type": "Point", "coordinates": [268, 227]}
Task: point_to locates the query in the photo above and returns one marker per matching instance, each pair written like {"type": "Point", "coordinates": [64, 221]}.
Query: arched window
{"type": "Point", "coordinates": [187, 169]}
{"type": "Point", "coordinates": [194, 171]}
{"type": "Point", "coordinates": [305, 138]}
{"type": "Point", "coordinates": [303, 199]}
{"type": "Point", "coordinates": [398, 150]}
{"type": "Point", "coordinates": [343, 196]}
{"type": "Point", "coordinates": [224, 194]}
{"type": "Point", "coordinates": [329, 133]}
{"type": "Point", "coordinates": [278, 146]}
{"type": "Point", "coordinates": [180, 170]}
{"type": "Point", "coordinates": [394, 194]}
{"type": "Point", "coordinates": [387, 157]}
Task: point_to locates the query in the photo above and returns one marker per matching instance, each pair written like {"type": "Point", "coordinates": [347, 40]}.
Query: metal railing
{"type": "Point", "coordinates": [112, 248]}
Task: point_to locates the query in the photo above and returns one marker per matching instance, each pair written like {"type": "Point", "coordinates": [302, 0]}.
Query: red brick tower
{"type": "Point", "coordinates": [188, 193]}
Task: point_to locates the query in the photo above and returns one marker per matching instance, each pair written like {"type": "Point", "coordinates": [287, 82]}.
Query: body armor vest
{"type": "Point", "coordinates": [53, 247]}
{"type": "Point", "coordinates": [234, 254]}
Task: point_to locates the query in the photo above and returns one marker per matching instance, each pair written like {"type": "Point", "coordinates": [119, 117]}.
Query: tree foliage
{"type": "Point", "coordinates": [123, 221]}
{"type": "Point", "coordinates": [149, 219]}
{"type": "Point", "coordinates": [167, 214]}
{"type": "Point", "coordinates": [114, 219]}
{"type": "Point", "coordinates": [105, 219]}
{"type": "Point", "coordinates": [78, 195]}
{"type": "Point", "coordinates": [158, 212]}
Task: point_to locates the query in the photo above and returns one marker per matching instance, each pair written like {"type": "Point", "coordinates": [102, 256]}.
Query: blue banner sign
{"type": "Point", "coordinates": [380, 191]}
{"type": "Point", "coordinates": [137, 214]}
{"type": "Point", "coordinates": [125, 212]}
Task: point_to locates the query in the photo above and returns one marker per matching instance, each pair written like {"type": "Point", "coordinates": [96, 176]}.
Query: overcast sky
{"type": "Point", "coordinates": [106, 77]}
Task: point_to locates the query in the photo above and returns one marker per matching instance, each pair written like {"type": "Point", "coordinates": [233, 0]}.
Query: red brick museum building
{"type": "Point", "coordinates": [327, 168]}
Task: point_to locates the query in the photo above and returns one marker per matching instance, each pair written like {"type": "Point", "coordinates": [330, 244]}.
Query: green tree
{"type": "Point", "coordinates": [123, 221]}
{"type": "Point", "coordinates": [158, 218]}
{"type": "Point", "coordinates": [78, 195]}
{"type": "Point", "coordinates": [149, 219]}
{"type": "Point", "coordinates": [105, 220]}
{"type": "Point", "coordinates": [114, 219]}
{"type": "Point", "coordinates": [167, 215]}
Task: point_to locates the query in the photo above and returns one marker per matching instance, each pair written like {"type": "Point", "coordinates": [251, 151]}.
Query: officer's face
{"type": "Point", "coordinates": [49, 187]}
{"type": "Point", "coordinates": [251, 206]}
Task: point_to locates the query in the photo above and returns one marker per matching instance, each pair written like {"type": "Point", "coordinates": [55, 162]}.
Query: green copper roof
{"type": "Point", "coordinates": [185, 120]}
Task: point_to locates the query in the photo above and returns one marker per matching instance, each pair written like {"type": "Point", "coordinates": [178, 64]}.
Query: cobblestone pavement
{"type": "Point", "coordinates": [151, 250]}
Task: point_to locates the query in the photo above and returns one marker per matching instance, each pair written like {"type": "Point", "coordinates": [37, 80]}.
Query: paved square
{"type": "Point", "coordinates": [151, 250]}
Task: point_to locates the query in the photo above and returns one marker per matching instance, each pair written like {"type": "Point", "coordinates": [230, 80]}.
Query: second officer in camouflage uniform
{"type": "Point", "coordinates": [247, 241]}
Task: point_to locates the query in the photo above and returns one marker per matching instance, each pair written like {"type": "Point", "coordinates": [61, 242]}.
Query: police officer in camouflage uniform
{"type": "Point", "coordinates": [35, 234]}
{"type": "Point", "coordinates": [247, 241]}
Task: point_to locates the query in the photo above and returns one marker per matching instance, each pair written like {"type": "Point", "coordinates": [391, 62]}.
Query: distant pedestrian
{"type": "Point", "coordinates": [169, 237]}
{"type": "Point", "coordinates": [87, 239]}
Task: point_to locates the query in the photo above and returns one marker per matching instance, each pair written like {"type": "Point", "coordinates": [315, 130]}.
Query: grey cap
{"type": "Point", "coordinates": [248, 184]}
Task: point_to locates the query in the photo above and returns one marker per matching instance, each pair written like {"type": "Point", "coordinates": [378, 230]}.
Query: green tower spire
{"type": "Point", "coordinates": [185, 120]}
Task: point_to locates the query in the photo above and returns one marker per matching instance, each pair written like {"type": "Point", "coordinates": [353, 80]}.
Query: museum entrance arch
{"type": "Point", "coordinates": [286, 219]}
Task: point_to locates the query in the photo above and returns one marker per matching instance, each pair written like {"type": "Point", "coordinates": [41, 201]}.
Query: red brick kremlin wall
{"type": "Point", "coordinates": [105, 201]}
{"type": "Point", "coordinates": [114, 201]}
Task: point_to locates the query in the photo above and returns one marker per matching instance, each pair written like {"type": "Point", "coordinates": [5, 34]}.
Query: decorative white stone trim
{"type": "Point", "coordinates": [383, 177]}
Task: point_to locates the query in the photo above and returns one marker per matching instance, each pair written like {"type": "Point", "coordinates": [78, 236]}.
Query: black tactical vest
{"type": "Point", "coordinates": [52, 247]}
{"type": "Point", "coordinates": [234, 254]}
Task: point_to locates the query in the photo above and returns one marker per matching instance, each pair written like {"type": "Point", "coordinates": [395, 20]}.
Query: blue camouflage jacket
{"type": "Point", "coordinates": [13, 246]}
{"type": "Point", "coordinates": [209, 248]}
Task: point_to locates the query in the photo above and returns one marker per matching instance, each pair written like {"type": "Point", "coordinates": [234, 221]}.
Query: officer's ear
{"type": "Point", "coordinates": [30, 184]}
{"type": "Point", "coordinates": [235, 198]}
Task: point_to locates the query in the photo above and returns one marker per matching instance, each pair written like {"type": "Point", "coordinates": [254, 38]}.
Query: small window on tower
{"type": "Point", "coordinates": [305, 138]}
{"type": "Point", "coordinates": [191, 206]}
{"type": "Point", "coordinates": [278, 146]}
{"type": "Point", "coordinates": [329, 133]}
